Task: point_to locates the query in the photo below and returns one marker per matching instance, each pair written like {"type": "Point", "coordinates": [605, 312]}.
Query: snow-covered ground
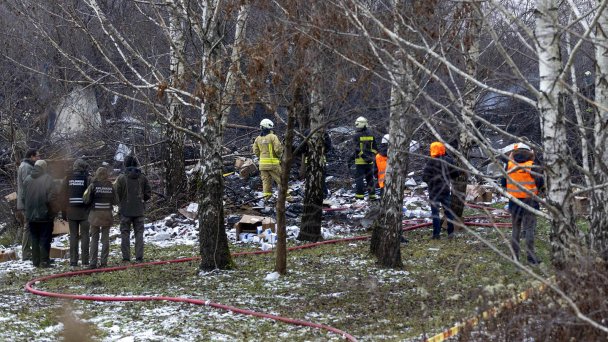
{"type": "Point", "coordinates": [177, 229]}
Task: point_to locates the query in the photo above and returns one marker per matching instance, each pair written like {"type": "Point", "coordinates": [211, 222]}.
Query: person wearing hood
{"type": "Point", "coordinates": [438, 174]}
{"type": "Point", "coordinates": [268, 149]}
{"type": "Point", "coordinates": [25, 168]}
{"type": "Point", "coordinates": [132, 192]}
{"type": "Point", "coordinates": [524, 181]}
{"type": "Point", "coordinates": [382, 162]}
{"type": "Point", "coordinates": [100, 197]}
{"type": "Point", "coordinates": [39, 197]}
{"type": "Point", "coordinates": [364, 154]}
{"type": "Point", "coordinates": [77, 213]}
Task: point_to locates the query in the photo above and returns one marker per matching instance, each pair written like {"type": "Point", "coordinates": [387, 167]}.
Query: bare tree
{"type": "Point", "coordinates": [599, 195]}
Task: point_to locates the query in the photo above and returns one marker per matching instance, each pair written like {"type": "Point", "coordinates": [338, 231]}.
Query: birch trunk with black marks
{"type": "Point", "coordinates": [599, 196]}
{"type": "Point", "coordinates": [472, 20]}
{"type": "Point", "coordinates": [387, 227]}
{"type": "Point", "coordinates": [564, 236]}
{"type": "Point", "coordinates": [214, 250]}
{"type": "Point", "coordinates": [286, 161]}
{"type": "Point", "coordinates": [315, 167]}
{"type": "Point", "coordinates": [175, 176]}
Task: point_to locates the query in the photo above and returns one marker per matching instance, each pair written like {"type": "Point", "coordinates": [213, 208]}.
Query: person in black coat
{"type": "Point", "coordinates": [438, 174]}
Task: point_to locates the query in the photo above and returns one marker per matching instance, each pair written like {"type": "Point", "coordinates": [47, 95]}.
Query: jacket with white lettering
{"type": "Point", "coordinates": [73, 189]}
{"type": "Point", "coordinates": [101, 197]}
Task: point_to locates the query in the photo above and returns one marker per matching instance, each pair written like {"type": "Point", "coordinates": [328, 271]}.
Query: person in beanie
{"type": "Point", "coordinates": [39, 197]}
{"type": "Point", "coordinates": [100, 197]}
{"type": "Point", "coordinates": [132, 191]}
{"type": "Point", "coordinates": [364, 155]}
{"type": "Point", "coordinates": [77, 212]}
{"type": "Point", "coordinates": [438, 173]}
{"type": "Point", "coordinates": [524, 181]}
{"type": "Point", "coordinates": [268, 148]}
{"type": "Point", "coordinates": [25, 168]}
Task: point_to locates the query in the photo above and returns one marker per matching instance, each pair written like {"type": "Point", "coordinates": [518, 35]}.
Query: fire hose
{"type": "Point", "coordinates": [29, 286]}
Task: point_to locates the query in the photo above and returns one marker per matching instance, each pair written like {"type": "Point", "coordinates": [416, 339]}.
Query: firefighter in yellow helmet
{"type": "Point", "coordinates": [364, 156]}
{"type": "Point", "coordinates": [523, 181]}
{"type": "Point", "coordinates": [268, 149]}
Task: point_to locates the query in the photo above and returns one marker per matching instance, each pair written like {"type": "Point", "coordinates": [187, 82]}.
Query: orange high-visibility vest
{"type": "Point", "coordinates": [381, 162]}
{"type": "Point", "coordinates": [519, 173]}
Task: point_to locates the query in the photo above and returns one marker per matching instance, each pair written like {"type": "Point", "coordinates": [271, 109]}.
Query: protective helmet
{"type": "Point", "coordinates": [437, 149]}
{"type": "Point", "coordinates": [266, 123]}
{"type": "Point", "coordinates": [361, 122]}
{"type": "Point", "coordinates": [521, 146]}
{"type": "Point", "coordinates": [385, 139]}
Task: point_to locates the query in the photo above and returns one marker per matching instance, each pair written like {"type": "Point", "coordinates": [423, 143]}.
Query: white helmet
{"type": "Point", "coordinates": [361, 122]}
{"type": "Point", "coordinates": [521, 146]}
{"type": "Point", "coordinates": [385, 139]}
{"type": "Point", "coordinates": [266, 123]}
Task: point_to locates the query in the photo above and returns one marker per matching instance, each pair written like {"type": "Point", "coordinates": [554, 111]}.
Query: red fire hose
{"type": "Point", "coordinates": [30, 284]}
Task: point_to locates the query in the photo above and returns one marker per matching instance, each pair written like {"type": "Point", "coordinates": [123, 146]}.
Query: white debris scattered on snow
{"type": "Point", "coordinates": [192, 207]}
{"type": "Point", "coordinates": [272, 276]}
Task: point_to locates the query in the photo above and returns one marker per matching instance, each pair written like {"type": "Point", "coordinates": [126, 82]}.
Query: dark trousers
{"type": "Point", "coordinates": [105, 244]}
{"type": "Point", "coordinates": [364, 173]}
{"type": "Point", "coordinates": [125, 236]}
{"type": "Point", "coordinates": [79, 229]}
{"type": "Point", "coordinates": [41, 234]}
{"type": "Point", "coordinates": [523, 222]}
{"type": "Point", "coordinates": [437, 201]}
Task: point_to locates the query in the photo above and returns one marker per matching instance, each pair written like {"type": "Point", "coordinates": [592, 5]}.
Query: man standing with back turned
{"type": "Point", "coordinates": [132, 191]}
{"type": "Point", "coordinates": [26, 167]}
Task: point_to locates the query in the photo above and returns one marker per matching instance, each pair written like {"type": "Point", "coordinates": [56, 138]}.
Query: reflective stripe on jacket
{"type": "Point", "coordinates": [103, 196]}
{"type": "Point", "coordinates": [519, 173]}
{"type": "Point", "coordinates": [77, 184]}
{"type": "Point", "coordinates": [381, 162]}
{"type": "Point", "coordinates": [366, 150]}
{"type": "Point", "coordinates": [268, 148]}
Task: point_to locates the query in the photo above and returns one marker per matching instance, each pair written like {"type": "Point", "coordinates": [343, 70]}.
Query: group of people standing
{"type": "Point", "coordinates": [86, 203]}
{"type": "Point", "coordinates": [523, 181]}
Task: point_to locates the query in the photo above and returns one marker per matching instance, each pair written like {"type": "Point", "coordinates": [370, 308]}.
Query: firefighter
{"type": "Point", "coordinates": [381, 162]}
{"type": "Point", "coordinates": [523, 182]}
{"type": "Point", "coordinates": [364, 155]}
{"type": "Point", "coordinates": [268, 149]}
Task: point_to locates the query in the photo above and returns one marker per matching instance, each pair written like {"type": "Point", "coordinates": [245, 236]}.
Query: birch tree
{"type": "Point", "coordinates": [175, 176]}
{"type": "Point", "coordinates": [201, 76]}
{"type": "Point", "coordinates": [564, 236]}
{"type": "Point", "coordinates": [470, 16]}
{"type": "Point", "coordinates": [599, 195]}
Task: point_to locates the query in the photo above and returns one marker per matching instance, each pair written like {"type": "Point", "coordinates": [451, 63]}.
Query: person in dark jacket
{"type": "Point", "coordinates": [25, 168]}
{"type": "Point", "coordinates": [100, 197]}
{"type": "Point", "coordinates": [77, 213]}
{"type": "Point", "coordinates": [438, 174]}
{"type": "Point", "coordinates": [364, 155]}
{"type": "Point", "coordinates": [40, 202]}
{"type": "Point", "coordinates": [132, 191]}
{"type": "Point", "coordinates": [524, 181]}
